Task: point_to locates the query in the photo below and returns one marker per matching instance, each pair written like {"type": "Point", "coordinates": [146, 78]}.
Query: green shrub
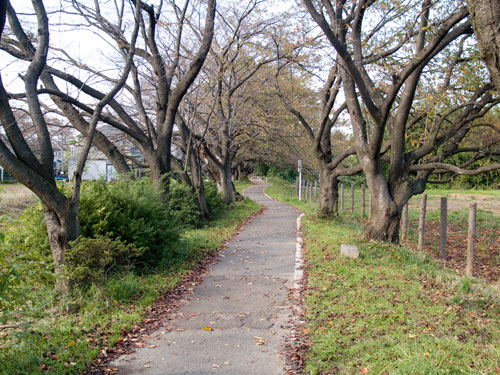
{"type": "Point", "coordinates": [28, 234]}
{"type": "Point", "coordinates": [132, 210]}
{"type": "Point", "coordinates": [124, 220]}
{"type": "Point", "coordinates": [25, 261]}
{"type": "Point", "coordinates": [261, 169]}
{"type": "Point", "coordinates": [214, 199]}
{"type": "Point", "coordinates": [183, 206]}
{"type": "Point", "coordinates": [125, 288]}
{"type": "Point", "coordinates": [287, 174]}
{"type": "Point", "coordinates": [91, 259]}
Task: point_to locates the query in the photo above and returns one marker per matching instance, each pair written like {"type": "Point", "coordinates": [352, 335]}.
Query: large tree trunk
{"type": "Point", "coordinates": [156, 173]}
{"type": "Point", "coordinates": [62, 227]}
{"type": "Point", "coordinates": [387, 201]}
{"type": "Point", "coordinates": [384, 223]}
{"type": "Point", "coordinates": [485, 17]}
{"type": "Point", "coordinates": [329, 194]}
{"type": "Point", "coordinates": [199, 187]}
{"type": "Point", "coordinates": [226, 183]}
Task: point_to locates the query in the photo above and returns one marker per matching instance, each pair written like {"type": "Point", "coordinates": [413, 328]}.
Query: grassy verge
{"type": "Point", "coordinates": [448, 192]}
{"type": "Point", "coordinates": [241, 185]}
{"type": "Point", "coordinates": [392, 311]}
{"type": "Point", "coordinates": [64, 336]}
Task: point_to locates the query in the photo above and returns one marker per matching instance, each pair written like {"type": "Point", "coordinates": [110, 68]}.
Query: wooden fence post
{"type": "Point", "coordinates": [469, 269]}
{"type": "Point", "coordinates": [363, 200]}
{"type": "Point", "coordinates": [315, 190]}
{"type": "Point", "coordinates": [369, 207]}
{"type": "Point", "coordinates": [442, 228]}
{"type": "Point", "coordinates": [421, 223]}
{"type": "Point", "coordinates": [404, 224]}
{"type": "Point", "coordinates": [342, 197]}
{"type": "Point", "coordinates": [352, 198]}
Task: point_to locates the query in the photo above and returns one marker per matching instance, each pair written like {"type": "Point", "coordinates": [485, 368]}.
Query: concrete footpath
{"type": "Point", "coordinates": [235, 322]}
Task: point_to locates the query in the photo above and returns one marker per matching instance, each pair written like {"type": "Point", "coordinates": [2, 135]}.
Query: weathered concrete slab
{"type": "Point", "coordinates": [349, 251]}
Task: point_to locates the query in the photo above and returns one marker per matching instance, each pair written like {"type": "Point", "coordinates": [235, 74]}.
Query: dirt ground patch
{"type": "Point", "coordinates": [487, 245]}
{"type": "Point", "coordinates": [459, 201]}
{"type": "Point", "coordinates": [487, 249]}
{"type": "Point", "coordinates": [14, 198]}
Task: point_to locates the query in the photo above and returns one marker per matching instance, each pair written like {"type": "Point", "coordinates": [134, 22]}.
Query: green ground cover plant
{"type": "Point", "coordinates": [393, 310]}
{"type": "Point", "coordinates": [241, 185]}
{"type": "Point", "coordinates": [448, 192]}
{"type": "Point", "coordinates": [63, 335]}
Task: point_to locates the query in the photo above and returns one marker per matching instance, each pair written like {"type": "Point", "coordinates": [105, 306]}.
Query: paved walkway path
{"type": "Point", "coordinates": [235, 321]}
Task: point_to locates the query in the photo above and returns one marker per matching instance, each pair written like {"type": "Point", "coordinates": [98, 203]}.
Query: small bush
{"type": "Point", "coordinates": [25, 262]}
{"type": "Point", "coordinates": [261, 169]}
{"type": "Point", "coordinates": [125, 288]}
{"type": "Point", "coordinates": [91, 259]}
{"type": "Point", "coordinates": [132, 210]}
{"type": "Point", "coordinates": [214, 199]}
{"type": "Point", "coordinates": [287, 174]}
{"type": "Point", "coordinates": [28, 234]}
{"type": "Point", "coordinates": [127, 221]}
{"type": "Point", "coordinates": [183, 206]}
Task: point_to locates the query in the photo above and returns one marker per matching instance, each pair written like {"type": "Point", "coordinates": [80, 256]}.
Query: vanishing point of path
{"type": "Point", "coordinates": [235, 322]}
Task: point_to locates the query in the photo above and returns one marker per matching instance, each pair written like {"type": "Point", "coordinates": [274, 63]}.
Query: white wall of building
{"type": "Point", "coordinates": [94, 170]}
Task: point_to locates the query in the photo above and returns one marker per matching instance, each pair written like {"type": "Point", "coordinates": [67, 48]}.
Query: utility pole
{"type": "Point", "coordinates": [300, 179]}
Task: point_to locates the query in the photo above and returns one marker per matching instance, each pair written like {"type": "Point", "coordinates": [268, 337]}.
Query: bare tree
{"type": "Point", "coordinates": [239, 51]}
{"type": "Point", "coordinates": [380, 101]}
{"type": "Point", "coordinates": [330, 159]}
{"type": "Point", "coordinates": [36, 171]}
{"type": "Point", "coordinates": [68, 107]}
{"type": "Point", "coordinates": [161, 74]}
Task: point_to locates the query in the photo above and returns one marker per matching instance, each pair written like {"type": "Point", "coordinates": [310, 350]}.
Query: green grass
{"type": "Point", "coordinates": [485, 218]}
{"type": "Point", "coordinates": [392, 311]}
{"type": "Point", "coordinates": [448, 192]}
{"type": "Point", "coordinates": [241, 185]}
{"type": "Point", "coordinates": [58, 342]}
{"type": "Point", "coordinates": [285, 192]}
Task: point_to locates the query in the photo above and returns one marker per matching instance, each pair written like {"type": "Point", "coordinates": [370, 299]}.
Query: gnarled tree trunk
{"type": "Point", "coordinates": [485, 17]}
{"type": "Point", "coordinates": [62, 227]}
{"type": "Point", "coordinates": [226, 183]}
{"type": "Point", "coordinates": [199, 187]}
{"type": "Point", "coordinates": [329, 194]}
{"type": "Point", "coordinates": [384, 223]}
{"type": "Point", "coordinates": [387, 201]}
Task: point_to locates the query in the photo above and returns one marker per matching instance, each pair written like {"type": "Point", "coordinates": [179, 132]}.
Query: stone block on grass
{"type": "Point", "coordinates": [349, 251]}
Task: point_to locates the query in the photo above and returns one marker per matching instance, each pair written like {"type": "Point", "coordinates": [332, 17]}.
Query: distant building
{"type": "Point", "coordinates": [59, 167]}
{"type": "Point", "coordinates": [95, 169]}
{"type": "Point", "coordinates": [5, 176]}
